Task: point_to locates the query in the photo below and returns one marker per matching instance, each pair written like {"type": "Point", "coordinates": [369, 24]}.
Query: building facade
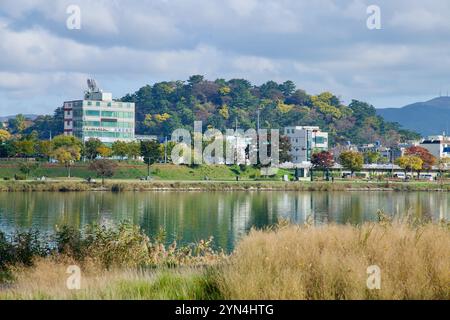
{"type": "Point", "coordinates": [438, 146]}
{"type": "Point", "coordinates": [99, 116]}
{"type": "Point", "coordinates": [305, 141]}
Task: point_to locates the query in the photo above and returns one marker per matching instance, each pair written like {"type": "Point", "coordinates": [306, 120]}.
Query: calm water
{"type": "Point", "coordinates": [227, 216]}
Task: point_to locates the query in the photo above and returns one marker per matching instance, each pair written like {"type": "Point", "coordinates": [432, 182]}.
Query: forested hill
{"type": "Point", "coordinates": [165, 106]}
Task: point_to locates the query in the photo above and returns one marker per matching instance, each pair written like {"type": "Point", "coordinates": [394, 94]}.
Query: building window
{"type": "Point", "coordinates": [92, 113]}
{"type": "Point", "coordinates": [320, 140]}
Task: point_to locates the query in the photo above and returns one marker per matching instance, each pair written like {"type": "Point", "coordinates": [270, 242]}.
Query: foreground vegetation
{"type": "Point", "coordinates": [331, 263]}
{"type": "Point", "coordinates": [284, 262]}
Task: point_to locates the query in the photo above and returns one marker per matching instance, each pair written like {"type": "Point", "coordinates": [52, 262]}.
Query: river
{"type": "Point", "coordinates": [227, 216]}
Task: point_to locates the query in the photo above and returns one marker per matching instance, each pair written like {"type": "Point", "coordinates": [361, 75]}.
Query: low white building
{"type": "Point", "coordinates": [305, 140]}
{"type": "Point", "coordinates": [438, 146]}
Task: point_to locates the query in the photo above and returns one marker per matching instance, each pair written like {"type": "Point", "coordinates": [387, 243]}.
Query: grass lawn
{"type": "Point", "coordinates": [138, 170]}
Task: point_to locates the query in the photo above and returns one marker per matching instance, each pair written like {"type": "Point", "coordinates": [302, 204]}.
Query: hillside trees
{"type": "Point", "coordinates": [222, 104]}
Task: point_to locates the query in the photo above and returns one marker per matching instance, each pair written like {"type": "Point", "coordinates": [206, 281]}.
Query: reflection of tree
{"type": "Point", "coordinates": [352, 212]}
{"type": "Point", "coordinates": [260, 210]}
{"type": "Point", "coordinates": [190, 217]}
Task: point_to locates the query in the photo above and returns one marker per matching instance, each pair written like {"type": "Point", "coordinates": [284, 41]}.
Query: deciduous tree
{"type": "Point", "coordinates": [4, 135]}
{"type": "Point", "coordinates": [104, 168]}
{"type": "Point", "coordinates": [91, 148]}
{"type": "Point", "coordinates": [409, 163]}
{"type": "Point", "coordinates": [427, 158]}
{"type": "Point", "coordinates": [151, 152]}
{"type": "Point", "coordinates": [351, 160]}
{"type": "Point", "coordinates": [67, 155]}
{"type": "Point", "coordinates": [104, 151]}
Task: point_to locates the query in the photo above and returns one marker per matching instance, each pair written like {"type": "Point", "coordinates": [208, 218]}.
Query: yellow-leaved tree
{"type": "Point", "coordinates": [67, 155]}
{"type": "Point", "coordinates": [409, 163]}
{"type": "Point", "coordinates": [4, 135]}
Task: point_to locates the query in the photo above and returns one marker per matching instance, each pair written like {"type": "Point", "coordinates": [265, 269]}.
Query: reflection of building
{"type": "Point", "coordinates": [439, 146]}
{"type": "Point", "coordinates": [305, 141]}
{"type": "Point", "coordinates": [99, 116]}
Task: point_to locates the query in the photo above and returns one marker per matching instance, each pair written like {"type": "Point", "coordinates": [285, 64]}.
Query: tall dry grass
{"type": "Point", "coordinates": [47, 281]}
{"type": "Point", "coordinates": [286, 262]}
{"type": "Point", "coordinates": [330, 262]}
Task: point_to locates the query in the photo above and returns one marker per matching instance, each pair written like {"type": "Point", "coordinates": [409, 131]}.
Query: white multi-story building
{"type": "Point", "coordinates": [305, 141]}
{"type": "Point", "coordinates": [99, 116]}
{"type": "Point", "coordinates": [438, 146]}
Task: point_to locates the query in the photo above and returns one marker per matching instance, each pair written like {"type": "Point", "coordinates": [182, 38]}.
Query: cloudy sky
{"type": "Point", "coordinates": [322, 45]}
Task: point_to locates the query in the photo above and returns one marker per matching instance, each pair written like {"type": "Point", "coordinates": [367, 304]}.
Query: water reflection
{"type": "Point", "coordinates": [189, 217]}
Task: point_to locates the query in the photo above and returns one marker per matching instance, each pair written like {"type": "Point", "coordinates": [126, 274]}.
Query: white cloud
{"type": "Point", "coordinates": [321, 45]}
{"type": "Point", "coordinates": [421, 18]}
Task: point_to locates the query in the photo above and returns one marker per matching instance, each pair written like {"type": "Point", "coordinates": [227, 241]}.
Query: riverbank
{"type": "Point", "coordinates": [159, 185]}
{"type": "Point", "coordinates": [286, 262]}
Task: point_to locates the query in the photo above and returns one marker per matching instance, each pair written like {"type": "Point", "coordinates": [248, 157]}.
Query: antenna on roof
{"type": "Point", "coordinates": [92, 85]}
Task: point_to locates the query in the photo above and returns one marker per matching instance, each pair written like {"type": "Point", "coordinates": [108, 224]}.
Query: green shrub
{"type": "Point", "coordinates": [21, 248]}
{"type": "Point", "coordinates": [19, 177]}
{"type": "Point", "coordinates": [126, 245]}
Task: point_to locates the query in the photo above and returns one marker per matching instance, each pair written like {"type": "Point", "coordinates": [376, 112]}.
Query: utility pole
{"type": "Point", "coordinates": [165, 149]}
{"type": "Point", "coordinates": [235, 152]}
{"type": "Point", "coordinates": [258, 127]}
{"type": "Point", "coordinates": [257, 122]}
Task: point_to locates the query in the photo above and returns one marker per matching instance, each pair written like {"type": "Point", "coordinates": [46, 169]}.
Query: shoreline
{"type": "Point", "coordinates": [202, 186]}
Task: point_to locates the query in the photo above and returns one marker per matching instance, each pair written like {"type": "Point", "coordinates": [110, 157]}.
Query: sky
{"type": "Point", "coordinates": [321, 45]}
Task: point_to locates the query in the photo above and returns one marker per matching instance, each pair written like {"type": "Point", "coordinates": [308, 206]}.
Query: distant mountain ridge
{"type": "Point", "coordinates": [27, 116]}
{"type": "Point", "coordinates": [428, 118]}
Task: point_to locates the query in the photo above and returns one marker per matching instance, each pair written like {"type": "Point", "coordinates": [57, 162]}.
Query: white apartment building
{"type": "Point", "coordinates": [99, 116]}
{"type": "Point", "coordinates": [305, 141]}
{"type": "Point", "coordinates": [438, 146]}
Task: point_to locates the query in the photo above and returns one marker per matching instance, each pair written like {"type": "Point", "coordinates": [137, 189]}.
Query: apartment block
{"type": "Point", "coordinates": [305, 141]}
{"type": "Point", "coordinates": [99, 116]}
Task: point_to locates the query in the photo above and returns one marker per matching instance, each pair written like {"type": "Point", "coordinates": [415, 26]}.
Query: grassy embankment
{"type": "Point", "coordinates": [160, 185]}
{"type": "Point", "coordinates": [135, 170]}
{"type": "Point", "coordinates": [172, 177]}
{"type": "Point", "coordinates": [287, 262]}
